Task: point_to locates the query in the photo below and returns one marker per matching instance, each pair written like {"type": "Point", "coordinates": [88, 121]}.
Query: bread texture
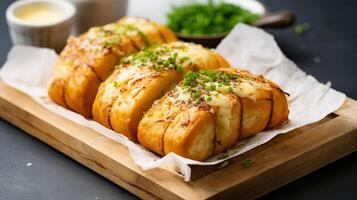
{"type": "Point", "coordinates": [209, 111]}
{"type": "Point", "coordinates": [144, 77]}
{"type": "Point", "coordinates": [89, 59]}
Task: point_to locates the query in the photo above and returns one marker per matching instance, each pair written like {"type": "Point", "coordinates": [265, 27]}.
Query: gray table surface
{"type": "Point", "coordinates": [30, 169]}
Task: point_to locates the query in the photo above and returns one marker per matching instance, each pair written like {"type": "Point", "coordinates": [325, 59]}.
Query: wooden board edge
{"type": "Point", "coordinates": [348, 109]}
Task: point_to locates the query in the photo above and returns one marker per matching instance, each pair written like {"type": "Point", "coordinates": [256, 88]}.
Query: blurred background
{"type": "Point", "coordinates": [322, 41]}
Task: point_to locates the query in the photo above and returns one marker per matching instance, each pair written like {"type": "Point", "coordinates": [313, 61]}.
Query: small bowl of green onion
{"type": "Point", "coordinates": [208, 22]}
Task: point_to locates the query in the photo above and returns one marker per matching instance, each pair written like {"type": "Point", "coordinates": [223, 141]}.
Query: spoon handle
{"type": "Point", "coordinates": [280, 19]}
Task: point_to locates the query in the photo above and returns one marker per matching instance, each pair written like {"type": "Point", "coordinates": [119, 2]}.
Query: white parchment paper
{"type": "Point", "coordinates": [29, 68]}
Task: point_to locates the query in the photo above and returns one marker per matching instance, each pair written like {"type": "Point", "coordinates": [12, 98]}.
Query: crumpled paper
{"type": "Point", "coordinates": [29, 68]}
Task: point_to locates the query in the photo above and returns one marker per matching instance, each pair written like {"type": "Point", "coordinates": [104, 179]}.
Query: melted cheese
{"type": "Point", "coordinates": [223, 114]}
{"type": "Point", "coordinates": [40, 14]}
{"type": "Point", "coordinates": [109, 93]}
{"type": "Point", "coordinates": [140, 77]}
{"type": "Point", "coordinates": [180, 95]}
{"type": "Point", "coordinates": [126, 74]}
{"type": "Point", "coordinates": [244, 88]}
{"type": "Point", "coordinates": [248, 89]}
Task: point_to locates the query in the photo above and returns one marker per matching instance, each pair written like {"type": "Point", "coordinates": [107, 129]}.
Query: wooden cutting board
{"type": "Point", "coordinates": [276, 163]}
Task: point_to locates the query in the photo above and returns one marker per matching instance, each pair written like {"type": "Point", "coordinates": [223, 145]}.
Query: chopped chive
{"type": "Point", "coordinates": [116, 84]}
{"type": "Point", "coordinates": [197, 18]}
{"type": "Point", "coordinates": [247, 163]}
{"type": "Point", "coordinates": [205, 83]}
{"type": "Point", "coordinates": [223, 165]}
{"type": "Point", "coordinates": [223, 156]}
{"type": "Point", "coordinates": [159, 57]}
{"type": "Point", "coordinates": [300, 29]}
{"type": "Point", "coordinates": [230, 89]}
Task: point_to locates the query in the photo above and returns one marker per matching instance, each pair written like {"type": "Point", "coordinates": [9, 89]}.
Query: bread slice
{"type": "Point", "coordinates": [209, 111]}
{"type": "Point", "coordinates": [89, 59]}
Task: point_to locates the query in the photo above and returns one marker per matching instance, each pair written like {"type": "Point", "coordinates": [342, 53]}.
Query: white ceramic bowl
{"type": "Point", "coordinates": [52, 33]}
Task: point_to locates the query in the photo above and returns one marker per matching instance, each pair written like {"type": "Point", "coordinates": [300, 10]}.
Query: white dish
{"type": "Point", "coordinates": [43, 23]}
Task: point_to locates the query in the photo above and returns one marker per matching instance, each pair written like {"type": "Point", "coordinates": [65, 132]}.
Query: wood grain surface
{"type": "Point", "coordinates": [278, 162]}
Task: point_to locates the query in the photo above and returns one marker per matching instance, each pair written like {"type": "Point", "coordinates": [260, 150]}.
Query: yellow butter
{"type": "Point", "coordinates": [39, 14]}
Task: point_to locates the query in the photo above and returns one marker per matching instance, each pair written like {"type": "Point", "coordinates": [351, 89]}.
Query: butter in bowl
{"type": "Point", "coordinates": [43, 23]}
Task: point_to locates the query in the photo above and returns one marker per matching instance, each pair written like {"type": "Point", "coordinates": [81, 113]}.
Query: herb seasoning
{"type": "Point", "coordinates": [208, 18]}
{"type": "Point", "coordinates": [160, 58]}
{"type": "Point", "coordinates": [203, 86]}
{"type": "Point", "coordinates": [112, 35]}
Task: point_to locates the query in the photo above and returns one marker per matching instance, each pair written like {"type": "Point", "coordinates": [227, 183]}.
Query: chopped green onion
{"type": "Point", "coordinates": [300, 29]}
{"type": "Point", "coordinates": [247, 163]}
{"type": "Point", "coordinates": [223, 165]}
{"type": "Point", "coordinates": [116, 84]}
{"type": "Point", "coordinates": [223, 156]}
{"type": "Point", "coordinates": [208, 18]}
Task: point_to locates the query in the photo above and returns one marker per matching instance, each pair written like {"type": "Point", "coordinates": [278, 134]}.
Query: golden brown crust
{"type": "Point", "coordinates": [91, 52]}
{"type": "Point", "coordinates": [187, 131]}
{"type": "Point", "coordinates": [101, 107]}
{"type": "Point", "coordinates": [255, 116]}
{"type": "Point", "coordinates": [220, 60]}
{"type": "Point", "coordinates": [103, 66]}
{"type": "Point", "coordinates": [198, 131]}
{"type": "Point", "coordinates": [191, 134]}
{"type": "Point", "coordinates": [153, 127]}
{"type": "Point", "coordinates": [82, 83]}
{"type": "Point", "coordinates": [128, 109]}
{"type": "Point", "coordinates": [166, 33]}
{"type": "Point", "coordinates": [56, 89]}
{"type": "Point", "coordinates": [280, 111]}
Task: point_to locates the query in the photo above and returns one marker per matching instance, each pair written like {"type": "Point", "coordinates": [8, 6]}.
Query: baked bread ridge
{"type": "Point", "coordinates": [209, 111]}
{"type": "Point", "coordinates": [89, 59]}
{"type": "Point", "coordinates": [144, 77]}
